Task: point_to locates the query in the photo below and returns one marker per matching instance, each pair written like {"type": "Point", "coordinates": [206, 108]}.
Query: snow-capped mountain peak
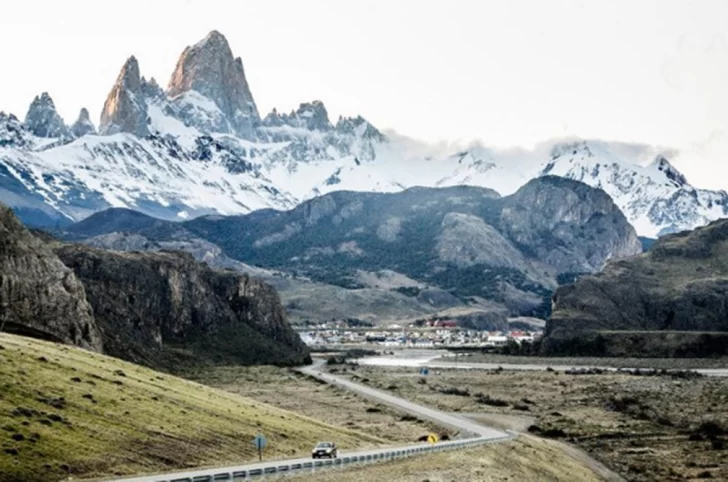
{"type": "Point", "coordinates": [43, 120]}
{"type": "Point", "coordinates": [200, 147]}
{"type": "Point", "coordinates": [125, 109]}
{"type": "Point", "coordinates": [662, 165]}
{"type": "Point", "coordinates": [210, 69]}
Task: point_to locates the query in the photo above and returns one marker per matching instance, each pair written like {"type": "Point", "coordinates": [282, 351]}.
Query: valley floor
{"type": "Point", "coordinates": [69, 413]}
{"type": "Point", "coordinates": [656, 428]}
{"type": "Point", "coordinates": [656, 363]}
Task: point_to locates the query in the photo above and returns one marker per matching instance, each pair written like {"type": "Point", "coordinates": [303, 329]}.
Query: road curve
{"type": "Point", "coordinates": [480, 434]}
{"type": "Point", "coordinates": [442, 418]}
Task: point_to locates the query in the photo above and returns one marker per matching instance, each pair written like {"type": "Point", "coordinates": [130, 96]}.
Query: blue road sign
{"type": "Point", "coordinates": [259, 441]}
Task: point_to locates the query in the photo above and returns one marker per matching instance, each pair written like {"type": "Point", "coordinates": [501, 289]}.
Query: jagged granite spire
{"type": "Point", "coordinates": [125, 109]}
{"type": "Point", "coordinates": [83, 124]}
{"type": "Point", "coordinates": [313, 116]}
{"type": "Point", "coordinates": [309, 115]}
{"type": "Point", "coordinates": [209, 68]}
{"type": "Point", "coordinates": [151, 89]}
{"type": "Point", "coordinates": [43, 120]}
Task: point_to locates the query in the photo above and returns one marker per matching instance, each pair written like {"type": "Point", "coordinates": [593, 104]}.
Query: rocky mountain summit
{"type": "Point", "coordinates": [202, 147]}
{"type": "Point", "coordinates": [83, 124]}
{"type": "Point", "coordinates": [209, 69]}
{"type": "Point", "coordinates": [43, 120]}
{"type": "Point", "coordinates": [149, 308]}
{"type": "Point", "coordinates": [675, 292]}
{"type": "Point", "coordinates": [125, 109]}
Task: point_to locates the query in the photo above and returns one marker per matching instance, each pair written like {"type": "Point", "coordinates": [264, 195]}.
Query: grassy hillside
{"type": "Point", "coordinates": [69, 412]}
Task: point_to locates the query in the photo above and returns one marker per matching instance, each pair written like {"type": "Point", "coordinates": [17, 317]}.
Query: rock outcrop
{"type": "Point", "coordinates": [43, 120]}
{"type": "Point", "coordinates": [39, 295]}
{"type": "Point", "coordinates": [150, 308]}
{"type": "Point", "coordinates": [679, 285]}
{"type": "Point", "coordinates": [83, 124]}
{"type": "Point", "coordinates": [309, 115]}
{"type": "Point", "coordinates": [568, 225]}
{"type": "Point", "coordinates": [145, 302]}
{"type": "Point", "coordinates": [209, 69]}
{"type": "Point", "coordinates": [125, 109]}
{"type": "Point", "coordinates": [13, 133]}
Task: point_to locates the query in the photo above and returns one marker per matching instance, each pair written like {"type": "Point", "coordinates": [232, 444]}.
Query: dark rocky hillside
{"type": "Point", "coordinates": [465, 240]}
{"type": "Point", "coordinates": [39, 295]}
{"type": "Point", "coordinates": [677, 292]}
{"type": "Point", "coordinates": [150, 308]}
{"type": "Point", "coordinates": [464, 244]}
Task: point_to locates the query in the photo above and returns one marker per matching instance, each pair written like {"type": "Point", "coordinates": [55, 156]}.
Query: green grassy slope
{"type": "Point", "coordinates": [67, 412]}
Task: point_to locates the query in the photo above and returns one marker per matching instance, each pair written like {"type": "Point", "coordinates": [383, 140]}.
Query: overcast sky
{"type": "Point", "coordinates": [510, 72]}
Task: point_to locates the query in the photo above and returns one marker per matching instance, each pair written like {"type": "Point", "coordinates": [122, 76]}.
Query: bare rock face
{"type": "Point", "coordinates": [43, 120]}
{"type": "Point", "coordinates": [467, 240]}
{"type": "Point", "coordinates": [309, 115]}
{"type": "Point", "coordinates": [145, 302]}
{"type": "Point", "coordinates": [83, 124]}
{"type": "Point", "coordinates": [568, 225]}
{"type": "Point", "coordinates": [39, 295]}
{"type": "Point", "coordinates": [125, 109]}
{"type": "Point", "coordinates": [208, 68]}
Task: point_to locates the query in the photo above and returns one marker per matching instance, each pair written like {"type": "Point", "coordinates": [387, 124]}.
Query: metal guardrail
{"type": "Point", "coordinates": [281, 468]}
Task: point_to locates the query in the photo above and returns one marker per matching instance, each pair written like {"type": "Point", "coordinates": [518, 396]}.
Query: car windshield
{"type": "Point", "coordinates": [324, 445]}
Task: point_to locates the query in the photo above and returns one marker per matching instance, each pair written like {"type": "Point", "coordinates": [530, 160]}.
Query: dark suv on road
{"type": "Point", "coordinates": [325, 449]}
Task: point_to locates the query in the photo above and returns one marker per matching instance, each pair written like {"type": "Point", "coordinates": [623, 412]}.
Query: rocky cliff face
{"type": "Point", "coordinates": [146, 303]}
{"type": "Point", "coordinates": [43, 120]}
{"type": "Point", "coordinates": [209, 68]}
{"type": "Point", "coordinates": [140, 307]}
{"type": "Point", "coordinates": [125, 109]}
{"type": "Point", "coordinates": [681, 284]}
{"type": "Point", "coordinates": [39, 295]}
{"type": "Point", "coordinates": [568, 225]}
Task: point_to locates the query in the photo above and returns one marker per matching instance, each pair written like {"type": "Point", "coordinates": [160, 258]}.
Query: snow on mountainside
{"type": "Point", "coordinates": [201, 147]}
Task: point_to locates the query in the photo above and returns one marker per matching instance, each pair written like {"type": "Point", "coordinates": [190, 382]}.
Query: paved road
{"type": "Point", "coordinates": [442, 418]}
{"type": "Point", "coordinates": [461, 424]}
{"type": "Point", "coordinates": [200, 473]}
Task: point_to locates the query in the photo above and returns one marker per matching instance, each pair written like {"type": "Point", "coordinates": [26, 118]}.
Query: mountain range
{"type": "Point", "coordinates": [202, 147]}
{"type": "Point", "coordinates": [463, 252]}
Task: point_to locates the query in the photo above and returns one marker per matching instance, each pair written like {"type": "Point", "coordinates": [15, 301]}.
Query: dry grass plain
{"type": "Point", "coordinates": [656, 428]}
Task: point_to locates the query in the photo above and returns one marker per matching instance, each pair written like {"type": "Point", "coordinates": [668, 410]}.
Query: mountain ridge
{"type": "Point", "coordinates": [457, 247]}
{"type": "Point", "coordinates": [147, 307]}
{"type": "Point", "coordinates": [202, 147]}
